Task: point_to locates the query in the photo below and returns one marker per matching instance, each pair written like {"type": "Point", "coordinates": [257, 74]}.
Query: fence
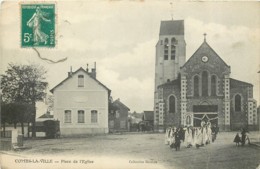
{"type": "Point", "coordinates": [6, 134]}
{"type": "Point", "coordinates": [5, 140]}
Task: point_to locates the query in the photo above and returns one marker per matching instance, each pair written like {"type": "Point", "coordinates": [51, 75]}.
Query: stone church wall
{"type": "Point", "coordinates": [172, 119]}
{"type": "Point", "coordinates": [238, 118]}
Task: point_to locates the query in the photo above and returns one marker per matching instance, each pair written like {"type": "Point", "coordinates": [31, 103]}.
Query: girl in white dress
{"type": "Point", "coordinates": [188, 137]}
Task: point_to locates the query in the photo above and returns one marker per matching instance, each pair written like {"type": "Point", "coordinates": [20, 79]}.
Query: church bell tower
{"type": "Point", "coordinates": [170, 56]}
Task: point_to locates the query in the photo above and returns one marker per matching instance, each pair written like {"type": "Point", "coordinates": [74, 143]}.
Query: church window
{"type": "Point", "coordinates": [196, 86]}
{"type": "Point", "coordinates": [204, 83]}
{"type": "Point", "coordinates": [173, 48]}
{"type": "Point", "coordinates": [80, 81]}
{"type": "Point", "coordinates": [213, 86]}
{"type": "Point", "coordinates": [237, 102]}
{"type": "Point", "coordinates": [166, 46]}
{"type": "Point", "coordinates": [172, 104]}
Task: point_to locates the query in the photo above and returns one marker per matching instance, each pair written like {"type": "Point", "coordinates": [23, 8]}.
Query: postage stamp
{"type": "Point", "coordinates": [38, 25]}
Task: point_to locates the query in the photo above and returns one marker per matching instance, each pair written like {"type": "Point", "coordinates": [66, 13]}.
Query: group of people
{"type": "Point", "coordinates": [244, 137]}
{"type": "Point", "coordinates": [191, 136]}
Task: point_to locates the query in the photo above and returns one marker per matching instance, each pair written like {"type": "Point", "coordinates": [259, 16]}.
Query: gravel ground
{"type": "Point", "coordinates": [134, 151]}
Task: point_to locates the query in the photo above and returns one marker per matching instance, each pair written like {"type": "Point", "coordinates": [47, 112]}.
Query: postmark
{"type": "Point", "coordinates": [38, 25]}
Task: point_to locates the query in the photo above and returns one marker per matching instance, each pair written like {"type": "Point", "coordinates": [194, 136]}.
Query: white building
{"type": "Point", "coordinates": [81, 104]}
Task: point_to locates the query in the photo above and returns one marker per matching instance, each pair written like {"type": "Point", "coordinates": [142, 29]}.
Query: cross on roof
{"type": "Point", "coordinates": [205, 36]}
{"type": "Point", "coordinates": [171, 10]}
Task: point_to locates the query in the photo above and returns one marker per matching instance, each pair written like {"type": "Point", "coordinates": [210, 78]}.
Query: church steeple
{"type": "Point", "coordinates": [170, 51]}
{"type": "Point", "coordinates": [170, 56]}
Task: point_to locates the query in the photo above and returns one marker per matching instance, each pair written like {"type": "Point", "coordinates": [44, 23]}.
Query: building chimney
{"type": "Point", "coordinates": [93, 71]}
{"type": "Point", "coordinates": [70, 73]}
{"type": "Point", "coordinates": [87, 68]}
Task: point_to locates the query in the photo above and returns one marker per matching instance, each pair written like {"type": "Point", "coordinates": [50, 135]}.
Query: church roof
{"type": "Point", "coordinates": [172, 27]}
{"type": "Point", "coordinates": [171, 83]}
{"type": "Point", "coordinates": [234, 83]}
{"type": "Point", "coordinates": [204, 48]}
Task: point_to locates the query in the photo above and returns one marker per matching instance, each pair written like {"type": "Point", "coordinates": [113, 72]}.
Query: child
{"type": "Point", "coordinates": [237, 140]}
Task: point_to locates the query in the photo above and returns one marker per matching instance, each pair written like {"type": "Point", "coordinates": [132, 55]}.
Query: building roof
{"type": "Point", "coordinates": [118, 102]}
{"type": "Point", "coordinates": [234, 83]}
{"type": "Point", "coordinates": [172, 27]}
{"type": "Point", "coordinates": [149, 115]}
{"type": "Point", "coordinates": [46, 115]}
{"type": "Point", "coordinates": [87, 73]}
{"type": "Point", "coordinates": [137, 115]}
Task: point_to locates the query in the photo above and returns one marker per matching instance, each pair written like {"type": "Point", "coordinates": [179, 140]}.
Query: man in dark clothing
{"type": "Point", "coordinates": [182, 134]}
{"type": "Point", "coordinates": [177, 140]}
{"type": "Point", "coordinates": [243, 138]}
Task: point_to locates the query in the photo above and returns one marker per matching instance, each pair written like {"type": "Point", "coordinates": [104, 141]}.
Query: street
{"type": "Point", "coordinates": [134, 151]}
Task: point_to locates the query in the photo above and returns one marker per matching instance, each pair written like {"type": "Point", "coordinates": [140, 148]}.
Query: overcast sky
{"type": "Point", "coordinates": [121, 38]}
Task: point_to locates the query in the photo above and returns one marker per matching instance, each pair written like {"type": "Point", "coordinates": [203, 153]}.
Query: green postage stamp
{"type": "Point", "coordinates": [38, 25]}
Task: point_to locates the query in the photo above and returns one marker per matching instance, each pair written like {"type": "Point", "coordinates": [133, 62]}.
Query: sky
{"type": "Point", "coordinates": [120, 36]}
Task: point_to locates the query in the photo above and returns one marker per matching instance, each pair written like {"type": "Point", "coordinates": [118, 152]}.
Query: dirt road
{"type": "Point", "coordinates": [133, 151]}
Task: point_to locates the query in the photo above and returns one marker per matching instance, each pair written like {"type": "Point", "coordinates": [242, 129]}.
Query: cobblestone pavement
{"type": "Point", "coordinates": [135, 151]}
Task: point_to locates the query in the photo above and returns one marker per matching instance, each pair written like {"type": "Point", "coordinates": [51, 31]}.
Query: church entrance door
{"type": "Point", "coordinates": [211, 117]}
{"type": "Point", "coordinates": [205, 112]}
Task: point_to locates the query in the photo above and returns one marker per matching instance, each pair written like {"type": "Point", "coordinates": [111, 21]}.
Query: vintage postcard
{"type": "Point", "coordinates": [129, 84]}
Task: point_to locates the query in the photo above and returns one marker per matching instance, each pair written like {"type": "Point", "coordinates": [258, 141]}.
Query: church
{"type": "Point", "coordinates": [199, 89]}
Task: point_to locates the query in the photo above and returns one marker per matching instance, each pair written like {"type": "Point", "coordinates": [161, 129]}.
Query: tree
{"type": "Point", "coordinates": [50, 102]}
{"type": "Point", "coordinates": [14, 113]}
{"type": "Point", "coordinates": [24, 84]}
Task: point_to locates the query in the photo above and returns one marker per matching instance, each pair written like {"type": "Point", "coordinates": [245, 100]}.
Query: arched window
{"type": "Point", "coordinates": [172, 104]}
{"type": "Point", "coordinates": [94, 116]}
{"type": "Point", "coordinates": [237, 102]}
{"type": "Point", "coordinates": [166, 46]}
{"type": "Point", "coordinates": [80, 81]}
{"type": "Point", "coordinates": [81, 116]}
{"type": "Point", "coordinates": [204, 83]}
{"type": "Point", "coordinates": [196, 85]}
{"type": "Point", "coordinates": [173, 48]}
{"type": "Point", "coordinates": [213, 85]}
{"type": "Point", "coordinates": [67, 116]}
{"type": "Point", "coordinates": [188, 120]}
